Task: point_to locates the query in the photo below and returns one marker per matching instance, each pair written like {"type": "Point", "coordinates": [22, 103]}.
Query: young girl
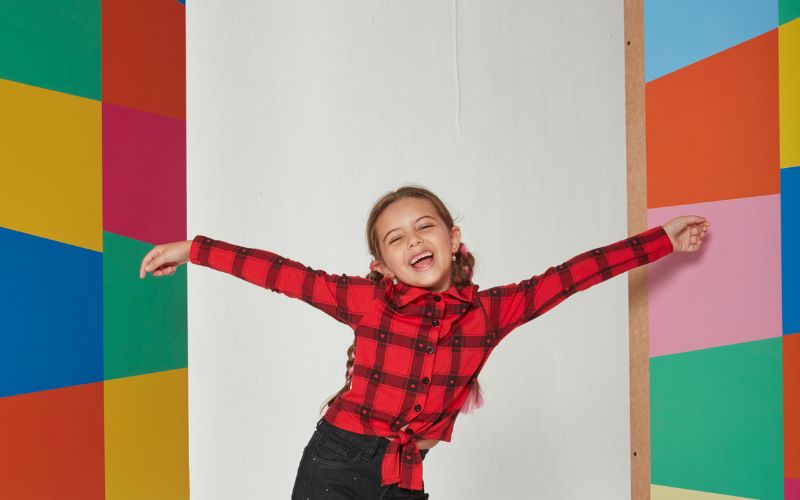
{"type": "Point", "coordinates": [423, 331]}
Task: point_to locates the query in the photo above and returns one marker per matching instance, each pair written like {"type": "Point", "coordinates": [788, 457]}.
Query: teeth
{"type": "Point", "coordinates": [424, 254]}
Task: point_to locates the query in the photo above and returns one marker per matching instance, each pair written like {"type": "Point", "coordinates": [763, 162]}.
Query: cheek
{"type": "Point", "coordinates": [396, 261]}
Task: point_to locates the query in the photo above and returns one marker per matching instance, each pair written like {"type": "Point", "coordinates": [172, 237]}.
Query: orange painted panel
{"type": "Point", "coordinates": [144, 55]}
{"type": "Point", "coordinates": [712, 127]}
{"type": "Point", "coordinates": [51, 444]}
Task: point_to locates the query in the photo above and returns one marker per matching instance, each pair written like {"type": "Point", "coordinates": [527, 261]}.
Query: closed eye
{"type": "Point", "coordinates": [421, 227]}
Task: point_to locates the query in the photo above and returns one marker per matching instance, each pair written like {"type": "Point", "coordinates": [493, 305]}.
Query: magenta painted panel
{"type": "Point", "coordinates": [144, 175]}
{"type": "Point", "coordinates": [729, 292]}
{"type": "Point", "coordinates": [791, 489]}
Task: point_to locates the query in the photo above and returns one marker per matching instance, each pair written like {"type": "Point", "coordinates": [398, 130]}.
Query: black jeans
{"type": "Point", "coordinates": [343, 465]}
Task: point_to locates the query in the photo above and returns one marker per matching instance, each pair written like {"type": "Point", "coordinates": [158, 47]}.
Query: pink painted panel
{"type": "Point", "coordinates": [791, 489]}
{"type": "Point", "coordinates": [727, 293]}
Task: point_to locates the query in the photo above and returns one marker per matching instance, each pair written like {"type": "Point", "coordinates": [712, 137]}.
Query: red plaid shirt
{"type": "Point", "coordinates": [417, 351]}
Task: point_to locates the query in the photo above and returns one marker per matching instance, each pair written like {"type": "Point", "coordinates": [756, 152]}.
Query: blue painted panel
{"type": "Point", "coordinates": [680, 32]}
{"type": "Point", "coordinates": [790, 242]}
{"type": "Point", "coordinates": [51, 323]}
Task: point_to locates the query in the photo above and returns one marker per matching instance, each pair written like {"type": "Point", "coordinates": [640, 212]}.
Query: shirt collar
{"type": "Point", "coordinates": [403, 293]}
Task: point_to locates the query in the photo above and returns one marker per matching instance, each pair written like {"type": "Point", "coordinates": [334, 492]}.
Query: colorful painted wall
{"type": "Point", "coordinates": [723, 141]}
{"type": "Point", "coordinates": [93, 361]}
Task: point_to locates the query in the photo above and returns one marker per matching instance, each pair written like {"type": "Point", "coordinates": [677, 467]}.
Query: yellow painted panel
{"type": "Point", "coordinates": [789, 91]}
{"type": "Point", "coordinates": [658, 492]}
{"type": "Point", "coordinates": [51, 157]}
{"type": "Point", "coordinates": [146, 436]}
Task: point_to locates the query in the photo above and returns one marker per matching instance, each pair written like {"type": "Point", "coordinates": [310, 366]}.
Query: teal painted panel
{"type": "Point", "coordinates": [716, 419]}
{"type": "Point", "coordinates": [788, 10]}
{"type": "Point", "coordinates": [54, 44]}
{"type": "Point", "coordinates": [144, 320]}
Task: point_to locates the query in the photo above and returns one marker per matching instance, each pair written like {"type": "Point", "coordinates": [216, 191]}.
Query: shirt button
{"type": "Point", "coordinates": [425, 380]}
{"type": "Point", "coordinates": [430, 349]}
{"type": "Point", "coordinates": [435, 322]}
{"type": "Point", "coordinates": [417, 408]}
{"type": "Point", "coordinates": [437, 298]}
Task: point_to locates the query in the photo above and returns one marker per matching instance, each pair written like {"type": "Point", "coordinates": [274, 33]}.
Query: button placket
{"type": "Point", "coordinates": [430, 349]}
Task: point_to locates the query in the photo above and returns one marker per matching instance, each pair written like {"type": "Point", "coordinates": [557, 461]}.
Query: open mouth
{"type": "Point", "coordinates": [424, 262]}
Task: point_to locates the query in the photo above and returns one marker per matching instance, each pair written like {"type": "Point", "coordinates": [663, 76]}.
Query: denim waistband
{"type": "Point", "coordinates": [370, 444]}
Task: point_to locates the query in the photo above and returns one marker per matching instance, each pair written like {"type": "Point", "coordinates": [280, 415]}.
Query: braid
{"type": "Point", "coordinates": [463, 266]}
{"type": "Point", "coordinates": [348, 376]}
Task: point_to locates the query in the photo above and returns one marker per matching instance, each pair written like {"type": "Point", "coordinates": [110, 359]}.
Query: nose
{"type": "Point", "coordinates": [413, 240]}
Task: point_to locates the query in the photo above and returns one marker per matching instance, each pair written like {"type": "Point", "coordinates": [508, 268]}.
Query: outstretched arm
{"type": "Point", "coordinates": [510, 306]}
{"type": "Point", "coordinates": [345, 298]}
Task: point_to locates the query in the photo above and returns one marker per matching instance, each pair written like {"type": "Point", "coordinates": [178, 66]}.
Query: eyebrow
{"type": "Point", "coordinates": [395, 229]}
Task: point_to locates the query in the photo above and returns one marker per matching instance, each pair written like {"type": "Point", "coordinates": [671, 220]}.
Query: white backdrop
{"type": "Point", "coordinates": [300, 115]}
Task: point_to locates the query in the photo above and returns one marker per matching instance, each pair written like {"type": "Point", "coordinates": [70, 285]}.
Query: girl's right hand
{"type": "Point", "coordinates": [163, 260]}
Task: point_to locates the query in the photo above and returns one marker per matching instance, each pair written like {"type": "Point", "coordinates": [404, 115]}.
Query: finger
{"type": "Point", "coordinates": [695, 219]}
{"type": "Point", "coordinates": [146, 260]}
{"type": "Point", "coordinates": [156, 261]}
{"type": "Point", "coordinates": [165, 271]}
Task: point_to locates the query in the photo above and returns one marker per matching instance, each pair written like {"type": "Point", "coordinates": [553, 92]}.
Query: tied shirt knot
{"type": "Point", "coordinates": [402, 462]}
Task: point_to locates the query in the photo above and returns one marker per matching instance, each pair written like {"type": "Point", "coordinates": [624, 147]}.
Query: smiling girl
{"type": "Point", "coordinates": [422, 332]}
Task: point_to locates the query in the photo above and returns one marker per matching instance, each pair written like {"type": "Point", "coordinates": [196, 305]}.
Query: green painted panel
{"type": "Point", "coordinates": [716, 419]}
{"type": "Point", "coordinates": [788, 10]}
{"type": "Point", "coordinates": [144, 320]}
{"type": "Point", "coordinates": [53, 44]}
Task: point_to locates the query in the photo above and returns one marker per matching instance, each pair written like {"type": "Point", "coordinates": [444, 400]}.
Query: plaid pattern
{"type": "Point", "coordinates": [417, 351]}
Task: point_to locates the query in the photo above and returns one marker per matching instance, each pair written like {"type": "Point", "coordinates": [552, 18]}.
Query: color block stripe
{"type": "Point", "coordinates": [789, 10]}
{"type": "Point", "coordinates": [658, 492]}
{"type": "Point", "coordinates": [682, 32]}
{"type": "Point", "coordinates": [146, 436]}
{"type": "Point", "coordinates": [144, 56]}
{"type": "Point", "coordinates": [716, 123]}
{"type": "Point", "coordinates": [53, 44]}
{"type": "Point", "coordinates": [790, 242]}
{"type": "Point", "coordinates": [51, 444]}
{"type": "Point", "coordinates": [791, 405]}
{"type": "Point", "coordinates": [51, 322]}
{"type": "Point", "coordinates": [717, 420]}
{"type": "Point", "coordinates": [695, 299]}
{"type": "Point", "coordinates": [144, 320]}
{"type": "Point", "coordinates": [791, 489]}
{"type": "Point", "coordinates": [144, 175]}
{"type": "Point", "coordinates": [50, 151]}
{"type": "Point", "coordinates": [789, 79]}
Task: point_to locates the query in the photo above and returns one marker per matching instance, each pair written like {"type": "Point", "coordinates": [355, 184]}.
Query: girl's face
{"type": "Point", "coordinates": [410, 227]}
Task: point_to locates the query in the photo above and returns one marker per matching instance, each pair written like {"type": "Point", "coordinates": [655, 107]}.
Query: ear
{"type": "Point", "coordinates": [455, 238]}
{"type": "Point", "coordinates": [378, 266]}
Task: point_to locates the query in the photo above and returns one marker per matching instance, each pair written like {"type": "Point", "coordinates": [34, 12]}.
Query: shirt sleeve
{"type": "Point", "coordinates": [345, 298]}
{"type": "Point", "coordinates": [509, 306]}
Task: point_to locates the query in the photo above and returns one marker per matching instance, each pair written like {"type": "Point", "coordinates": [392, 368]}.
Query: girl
{"type": "Point", "coordinates": [422, 330]}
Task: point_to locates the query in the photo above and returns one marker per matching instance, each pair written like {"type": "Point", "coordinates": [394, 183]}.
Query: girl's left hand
{"type": "Point", "coordinates": [687, 232]}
